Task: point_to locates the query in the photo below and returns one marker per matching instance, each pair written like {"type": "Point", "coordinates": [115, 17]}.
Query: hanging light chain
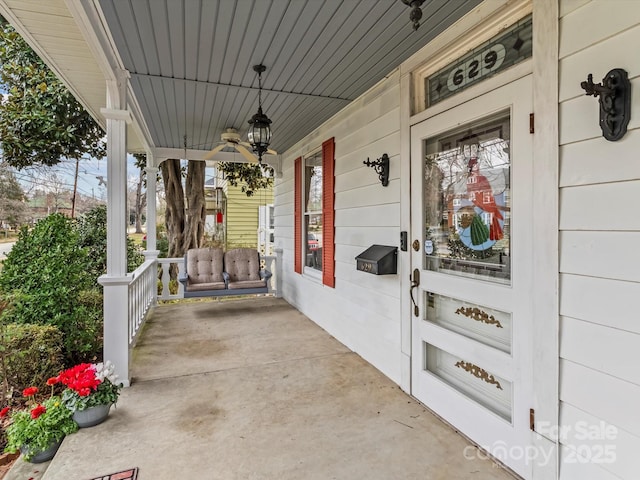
{"type": "Point", "coordinates": [260, 90]}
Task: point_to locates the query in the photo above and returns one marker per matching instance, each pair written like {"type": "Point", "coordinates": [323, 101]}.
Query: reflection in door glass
{"type": "Point", "coordinates": [467, 201]}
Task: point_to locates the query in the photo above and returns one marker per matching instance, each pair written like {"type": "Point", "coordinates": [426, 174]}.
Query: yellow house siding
{"type": "Point", "coordinates": [242, 215]}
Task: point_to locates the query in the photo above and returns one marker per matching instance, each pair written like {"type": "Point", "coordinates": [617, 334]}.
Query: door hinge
{"type": "Point", "coordinates": [531, 123]}
{"type": "Point", "coordinates": [532, 419]}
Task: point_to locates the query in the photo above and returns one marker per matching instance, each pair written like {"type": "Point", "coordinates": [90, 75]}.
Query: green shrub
{"type": "Point", "coordinates": [92, 231]}
{"type": "Point", "coordinates": [45, 274]}
{"type": "Point", "coordinates": [162, 242]}
{"type": "Point", "coordinates": [30, 355]}
{"type": "Point", "coordinates": [44, 271]}
{"type": "Point", "coordinates": [83, 333]}
{"type": "Point", "coordinates": [51, 276]}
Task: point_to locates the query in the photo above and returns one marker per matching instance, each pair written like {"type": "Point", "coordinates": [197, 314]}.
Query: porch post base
{"type": "Point", "coordinates": [116, 324]}
{"type": "Point", "coordinates": [151, 254]}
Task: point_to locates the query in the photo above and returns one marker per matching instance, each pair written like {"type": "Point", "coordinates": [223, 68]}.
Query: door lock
{"type": "Point", "coordinates": [416, 245]}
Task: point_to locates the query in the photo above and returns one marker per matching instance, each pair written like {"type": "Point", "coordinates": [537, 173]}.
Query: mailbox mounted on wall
{"type": "Point", "coordinates": [379, 260]}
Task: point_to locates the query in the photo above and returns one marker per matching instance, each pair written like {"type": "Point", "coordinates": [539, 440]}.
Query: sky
{"type": "Point", "coordinates": [92, 176]}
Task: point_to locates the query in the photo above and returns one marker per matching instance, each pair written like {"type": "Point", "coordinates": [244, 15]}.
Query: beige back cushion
{"type": "Point", "coordinates": [205, 265]}
{"type": "Point", "coordinates": [242, 264]}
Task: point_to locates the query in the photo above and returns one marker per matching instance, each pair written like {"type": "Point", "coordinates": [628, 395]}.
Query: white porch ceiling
{"type": "Point", "coordinates": [191, 61]}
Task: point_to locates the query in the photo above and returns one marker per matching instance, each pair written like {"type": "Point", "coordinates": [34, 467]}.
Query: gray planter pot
{"type": "Point", "coordinates": [44, 455]}
{"type": "Point", "coordinates": [91, 416]}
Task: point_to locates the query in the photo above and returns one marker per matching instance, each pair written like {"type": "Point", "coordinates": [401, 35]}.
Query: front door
{"type": "Point", "coordinates": [471, 226]}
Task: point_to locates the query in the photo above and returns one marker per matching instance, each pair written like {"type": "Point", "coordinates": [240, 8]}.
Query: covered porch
{"type": "Point", "coordinates": [251, 388]}
{"type": "Point", "coordinates": [169, 79]}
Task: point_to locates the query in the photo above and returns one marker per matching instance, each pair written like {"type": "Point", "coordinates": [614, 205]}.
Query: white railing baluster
{"type": "Point", "coordinates": [141, 297]}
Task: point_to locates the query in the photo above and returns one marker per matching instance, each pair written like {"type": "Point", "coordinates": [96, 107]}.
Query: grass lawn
{"type": "Point", "coordinates": [137, 237]}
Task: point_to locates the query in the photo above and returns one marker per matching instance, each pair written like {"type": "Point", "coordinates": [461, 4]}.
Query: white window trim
{"type": "Point", "coordinates": [311, 273]}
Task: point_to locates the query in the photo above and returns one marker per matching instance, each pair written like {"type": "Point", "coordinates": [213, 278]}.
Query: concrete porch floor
{"type": "Point", "coordinates": [252, 389]}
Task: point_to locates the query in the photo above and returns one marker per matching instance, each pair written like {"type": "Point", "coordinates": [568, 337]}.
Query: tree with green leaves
{"type": "Point", "coordinates": [13, 209]}
{"type": "Point", "coordinates": [250, 176]}
{"type": "Point", "coordinates": [41, 123]}
{"type": "Point", "coordinates": [40, 120]}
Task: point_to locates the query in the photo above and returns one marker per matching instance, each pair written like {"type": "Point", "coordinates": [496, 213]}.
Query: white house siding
{"type": "Point", "coordinates": [363, 310]}
{"type": "Point", "coordinates": [599, 244]}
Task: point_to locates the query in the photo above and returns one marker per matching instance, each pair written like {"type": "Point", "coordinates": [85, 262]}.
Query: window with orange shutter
{"type": "Point", "coordinates": [314, 213]}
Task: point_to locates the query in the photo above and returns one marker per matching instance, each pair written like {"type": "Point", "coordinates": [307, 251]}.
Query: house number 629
{"type": "Point", "coordinates": [476, 67]}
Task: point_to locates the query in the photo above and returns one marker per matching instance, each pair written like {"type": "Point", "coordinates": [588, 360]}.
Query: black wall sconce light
{"type": "Point", "coordinates": [381, 166]}
{"type": "Point", "coordinates": [615, 102]}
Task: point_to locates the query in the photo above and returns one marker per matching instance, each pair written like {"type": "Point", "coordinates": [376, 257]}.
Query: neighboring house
{"type": "Point", "coordinates": [43, 204]}
{"type": "Point", "coordinates": [513, 312]}
{"type": "Point", "coordinates": [236, 220]}
{"type": "Point", "coordinates": [242, 217]}
{"type": "Point", "coordinates": [215, 205]}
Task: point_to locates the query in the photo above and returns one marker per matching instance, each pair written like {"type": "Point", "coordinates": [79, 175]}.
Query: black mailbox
{"type": "Point", "coordinates": [379, 260]}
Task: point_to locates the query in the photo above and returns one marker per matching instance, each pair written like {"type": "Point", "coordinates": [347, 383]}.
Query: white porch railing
{"type": "Point", "coordinates": [142, 295]}
{"type": "Point", "coordinates": [128, 299]}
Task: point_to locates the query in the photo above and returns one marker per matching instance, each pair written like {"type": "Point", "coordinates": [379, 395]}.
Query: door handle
{"type": "Point", "coordinates": [415, 282]}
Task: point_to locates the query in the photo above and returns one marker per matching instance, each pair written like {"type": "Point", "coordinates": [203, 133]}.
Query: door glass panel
{"type": "Point", "coordinates": [486, 325]}
{"type": "Point", "coordinates": [490, 391]}
{"type": "Point", "coordinates": [467, 200]}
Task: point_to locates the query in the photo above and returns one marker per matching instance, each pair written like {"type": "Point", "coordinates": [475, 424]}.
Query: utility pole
{"type": "Point", "coordinates": [75, 190]}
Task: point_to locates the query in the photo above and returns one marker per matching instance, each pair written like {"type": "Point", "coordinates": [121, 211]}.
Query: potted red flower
{"type": "Point", "coordinates": [38, 430]}
{"type": "Point", "coordinates": [91, 390]}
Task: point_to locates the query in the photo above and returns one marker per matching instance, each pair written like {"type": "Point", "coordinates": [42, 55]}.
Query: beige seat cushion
{"type": "Point", "coordinates": [247, 284]}
{"type": "Point", "coordinates": [201, 287]}
{"type": "Point", "coordinates": [243, 267]}
{"type": "Point", "coordinates": [205, 266]}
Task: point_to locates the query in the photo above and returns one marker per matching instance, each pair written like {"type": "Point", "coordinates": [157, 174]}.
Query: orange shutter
{"type": "Point", "coordinates": [328, 214]}
{"type": "Point", "coordinates": [297, 214]}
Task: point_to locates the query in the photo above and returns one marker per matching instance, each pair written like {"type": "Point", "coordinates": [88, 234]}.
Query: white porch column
{"type": "Point", "coordinates": [116, 324]}
{"type": "Point", "coordinates": [151, 252]}
{"type": "Point", "coordinates": [116, 281]}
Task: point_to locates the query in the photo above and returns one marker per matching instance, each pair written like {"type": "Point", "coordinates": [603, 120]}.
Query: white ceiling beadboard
{"type": "Point", "coordinates": [52, 28]}
{"type": "Point", "coordinates": [190, 61]}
